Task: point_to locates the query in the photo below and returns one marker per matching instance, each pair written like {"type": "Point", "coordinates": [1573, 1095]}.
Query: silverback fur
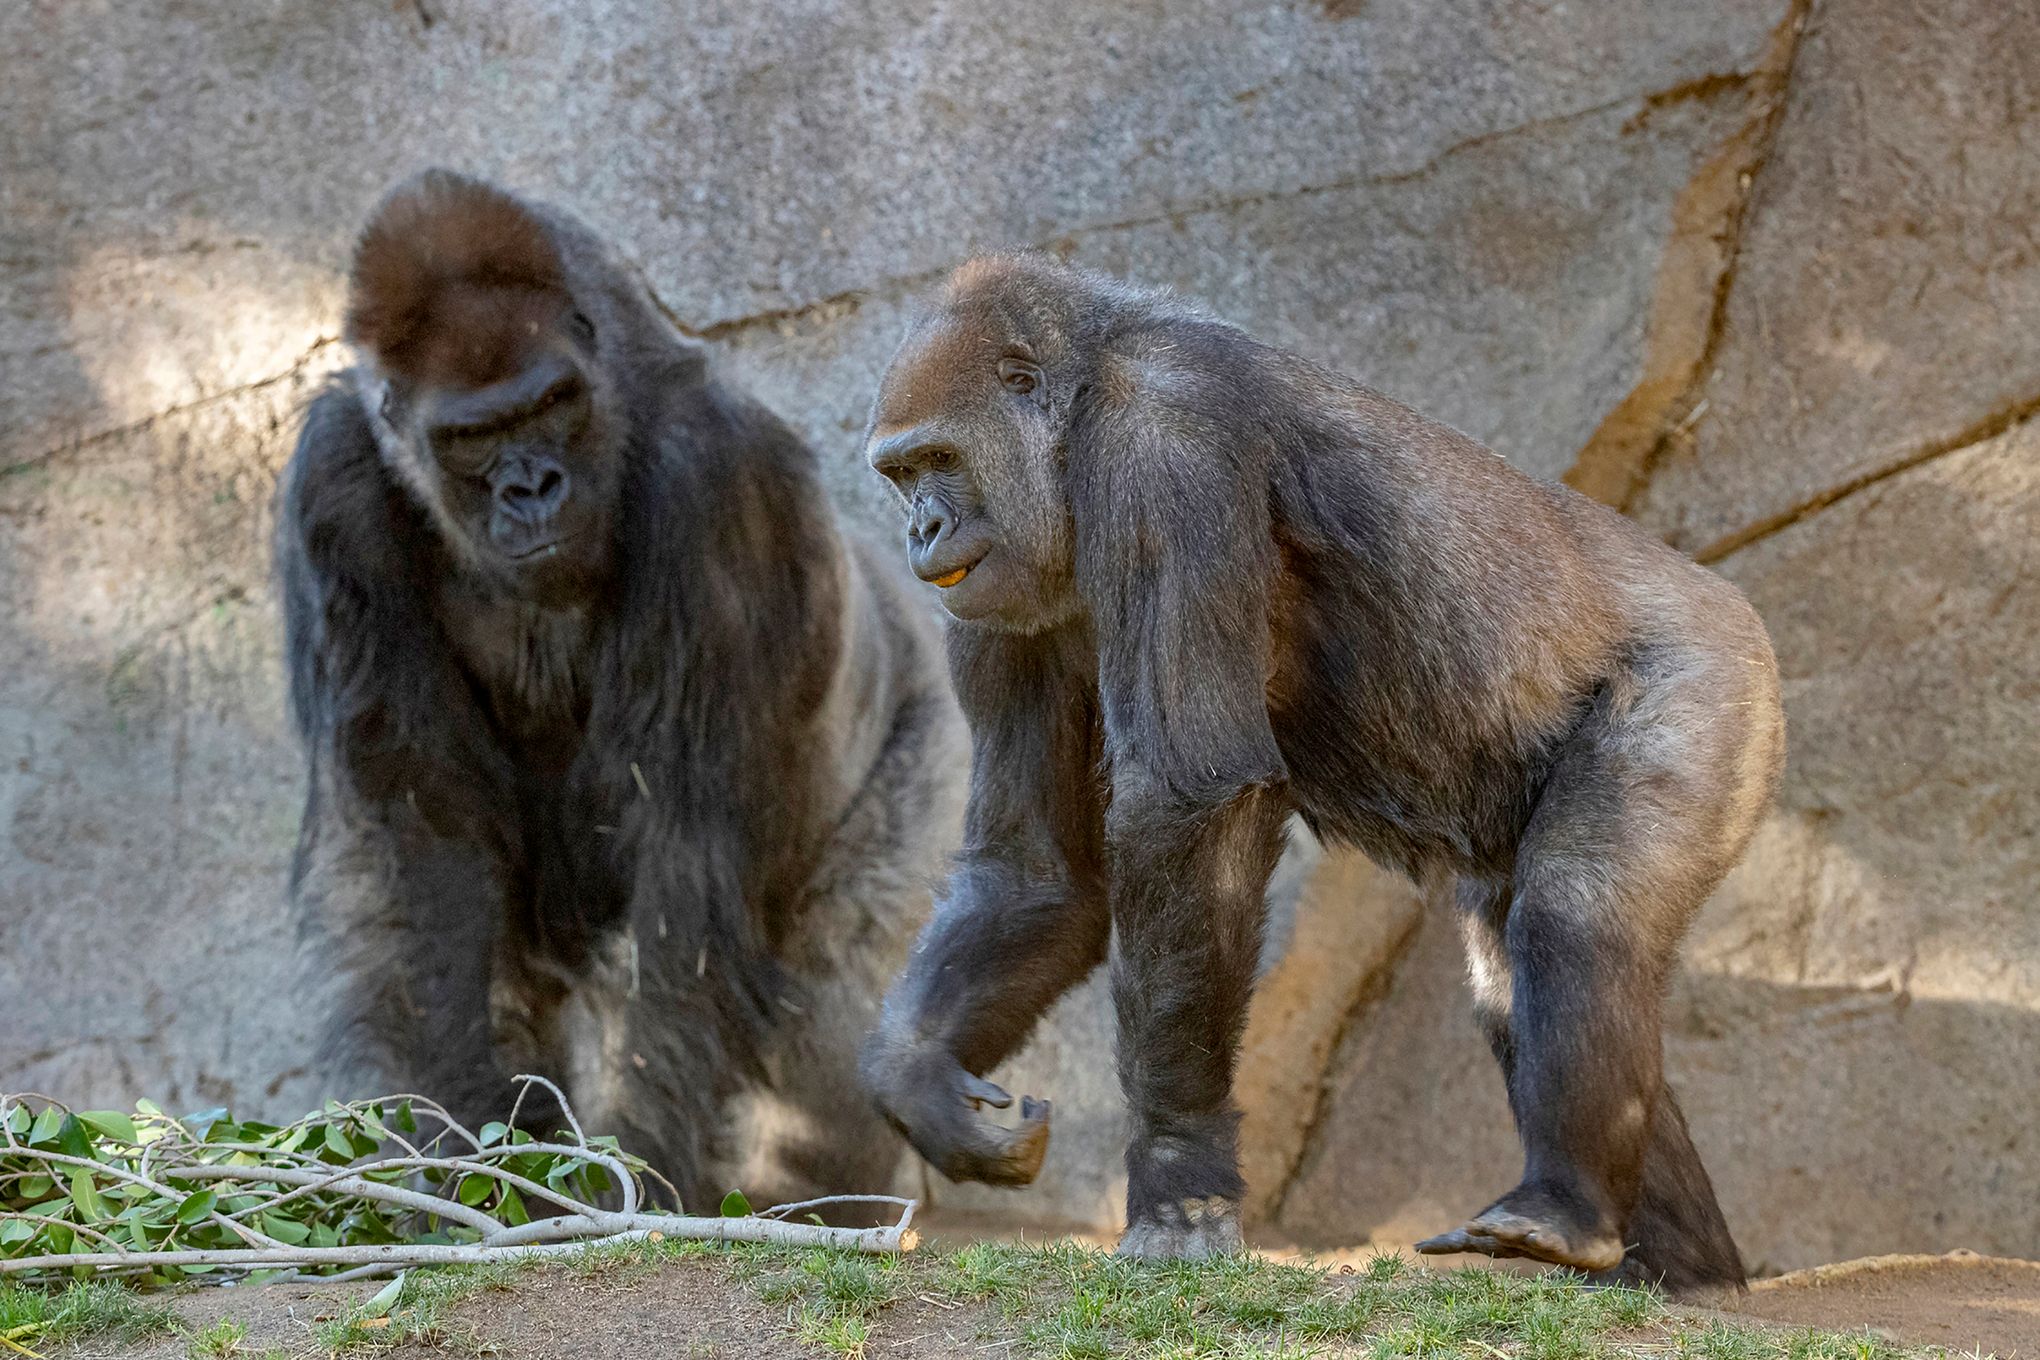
{"type": "Point", "coordinates": [651, 807]}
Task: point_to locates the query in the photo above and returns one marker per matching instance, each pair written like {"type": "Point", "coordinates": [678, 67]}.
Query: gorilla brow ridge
{"type": "Point", "coordinates": [432, 236]}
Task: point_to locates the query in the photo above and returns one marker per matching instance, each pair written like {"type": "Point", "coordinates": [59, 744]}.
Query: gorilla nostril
{"type": "Point", "coordinates": [929, 526]}
{"type": "Point", "coordinates": [535, 491]}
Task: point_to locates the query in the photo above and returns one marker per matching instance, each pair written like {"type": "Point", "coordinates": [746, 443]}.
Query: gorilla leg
{"type": "Point", "coordinates": [1182, 976]}
{"type": "Point", "coordinates": [1676, 1238]}
{"type": "Point", "coordinates": [1483, 910]}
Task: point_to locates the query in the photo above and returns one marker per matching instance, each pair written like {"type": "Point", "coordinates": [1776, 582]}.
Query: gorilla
{"type": "Point", "coordinates": [1201, 583]}
{"type": "Point", "coordinates": [628, 765]}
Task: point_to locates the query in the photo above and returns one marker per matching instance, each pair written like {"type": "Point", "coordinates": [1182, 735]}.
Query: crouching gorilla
{"type": "Point", "coordinates": [1202, 583]}
{"type": "Point", "coordinates": [627, 766]}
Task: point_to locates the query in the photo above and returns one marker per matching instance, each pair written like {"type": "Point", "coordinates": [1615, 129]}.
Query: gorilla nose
{"type": "Point", "coordinates": [930, 524]}
{"type": "Point", "coordinates": [532, 491]}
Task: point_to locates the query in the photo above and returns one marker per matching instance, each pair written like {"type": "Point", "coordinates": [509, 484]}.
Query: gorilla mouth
{"type": "Point", "coordinates": [533, 552]}
{"type": "Point", "coordinates": [954, 576]}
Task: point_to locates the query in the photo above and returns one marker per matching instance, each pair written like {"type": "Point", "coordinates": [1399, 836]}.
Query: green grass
{"type": "Point", "coordinates": [1059, 1302]}
{"type": "Point", "coordinates": [224, 1340]}
{"type": "Point", "coordinates": [31, 1317]}
{"type": "Point", "coordinates": [1065, 1302]}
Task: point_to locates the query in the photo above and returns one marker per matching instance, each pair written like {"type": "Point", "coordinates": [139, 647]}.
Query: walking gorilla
{"type": "Point", "coordinates": [627, 766]}
{"type": "Point", "coordinates": [1200, 583]}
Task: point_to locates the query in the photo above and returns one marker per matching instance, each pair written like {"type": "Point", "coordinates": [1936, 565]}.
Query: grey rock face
{"type": "Point", "coordinates": [1759, 270]}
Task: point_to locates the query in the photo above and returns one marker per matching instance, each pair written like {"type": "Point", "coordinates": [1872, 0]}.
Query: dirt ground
{"type": "Point", "coordinates": [1961, 1301]}
{"type": "Point", "coordinates": [692, 1310]}
{"type": "Point", "coordinates": [688, 1310]}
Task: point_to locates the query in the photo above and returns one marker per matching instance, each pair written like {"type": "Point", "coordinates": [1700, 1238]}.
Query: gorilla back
{"type": "Point", "coordinates": [1203, 583]}
{"type": "Point", "coordinates": [627, 766]}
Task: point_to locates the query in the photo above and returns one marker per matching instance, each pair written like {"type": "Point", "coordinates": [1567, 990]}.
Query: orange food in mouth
{"type": "Point", "coordinates": [952, 578]}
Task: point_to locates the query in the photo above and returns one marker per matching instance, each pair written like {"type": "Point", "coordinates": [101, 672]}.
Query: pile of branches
{"type": "Point", "coordinates": [351, 1190]}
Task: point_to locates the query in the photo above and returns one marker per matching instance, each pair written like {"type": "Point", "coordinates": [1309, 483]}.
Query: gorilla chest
{"type": "Point", "coordinates": [533, 667]}
{"type": "Point", "coordinates": [531, 671]}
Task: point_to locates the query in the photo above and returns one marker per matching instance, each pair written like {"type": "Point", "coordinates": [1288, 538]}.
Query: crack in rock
{"type": "Point", "coordinates": [97, 437]}
{"type": "Point", "coordinates": [1705, 86]}
{"type": "Point", "coordinates": [2001, 421]}
{"type": "Point", "coordinates": [1689, 305]}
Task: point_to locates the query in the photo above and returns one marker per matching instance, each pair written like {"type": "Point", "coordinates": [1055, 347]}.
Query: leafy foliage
{"type": "Point", "coordinates": [98, 1181]}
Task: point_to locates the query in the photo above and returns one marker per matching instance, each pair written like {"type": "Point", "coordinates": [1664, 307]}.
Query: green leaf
{"type": "Point", "coordinates": [201, 1123]}
{"type": "Point", "coordinates": [110, 1124]}
{"type": "Point", "coordinates": [475, 1189]}
{"type": "Point", "coordinates": [15, 1231]}
{"type": "Point", "coordinates": [406, 1120]}
{"type": "Point", "coordinates": [493, 1131]}
{"type": "Point", "coordinates": [148, 1107]}
{"type": "Point", "coordinates": [35, 1188]}
{"type": "Point", "coordinates": [285, 1229]}
{"type": "Point", "coordinates": [323, 1235]}
{"type": "Point", "coordinates": [734, 1205]}
{"type": "Point", "coordinates": [384, 1299]}
{"type": "Point", "coordinates": [18, 1120]}
{"type": "Point", "coordinates": [337, 1144]}
{"type": "Point", "coordinates": [73, 1141]}
{"type": "Point", "coordinates": [511, 1208]}
{"type": "Point", "coordinates": [91, 1208]}
{"type": "Point", "coordinates": [196, 1207]}
{"type": "Point", "coordinates": [47, 1122]}
{"type": "Point", "coordinates": [295, 1139]}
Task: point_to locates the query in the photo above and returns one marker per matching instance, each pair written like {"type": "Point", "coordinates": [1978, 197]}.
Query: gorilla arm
{"type": "Point", "coordinates": [1021, 919]}
{"type": "Point", "coordinates": [402, 863]}
{"type": "Point", "coordinates": [1175, 559]}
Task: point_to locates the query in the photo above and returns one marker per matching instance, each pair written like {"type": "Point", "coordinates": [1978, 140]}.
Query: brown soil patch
{"type": "Point", "coordinates": [697, 1310]}
{"type": "Point", "coordinates": [1962, 1301]}
{"type": "Point", "coordinates": [685, 1310]}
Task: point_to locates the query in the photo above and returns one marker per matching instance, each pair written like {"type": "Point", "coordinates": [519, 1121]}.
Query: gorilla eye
{"type": "Point", "coordinates": [941, 460]}
{"type": "Point", "coordinates": [584, 326]}
{"type": "Point", "coordinates": [1019, 376]}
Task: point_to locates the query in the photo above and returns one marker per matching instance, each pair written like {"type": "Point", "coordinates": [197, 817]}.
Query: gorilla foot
{"type": "Point", "coordinates": [1187, 1230]}
{"type": "Point", "coordinates": [937, 1106]}
{"type": "Point", "coordinates": [1530, 1223]}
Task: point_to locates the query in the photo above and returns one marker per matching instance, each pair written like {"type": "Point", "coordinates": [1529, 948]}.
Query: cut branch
{"type": "Point", "coordinates": [165, 1167]}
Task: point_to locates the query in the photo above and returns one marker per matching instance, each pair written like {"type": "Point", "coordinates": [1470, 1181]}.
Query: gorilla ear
{"type": "Point", "coordinates": [432, 236]}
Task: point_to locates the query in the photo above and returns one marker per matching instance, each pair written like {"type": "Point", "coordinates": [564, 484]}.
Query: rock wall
{"type": "Point", "coordinates": [1762, 272]}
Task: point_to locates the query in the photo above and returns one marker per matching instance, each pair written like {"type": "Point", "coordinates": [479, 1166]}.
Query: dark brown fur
{"type": "Point", "coordinates": [450, 281]}
{"type": "Point", "coordinates": [627, 765]}
{"type": "Point", "coordinates": [1264, 588]}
